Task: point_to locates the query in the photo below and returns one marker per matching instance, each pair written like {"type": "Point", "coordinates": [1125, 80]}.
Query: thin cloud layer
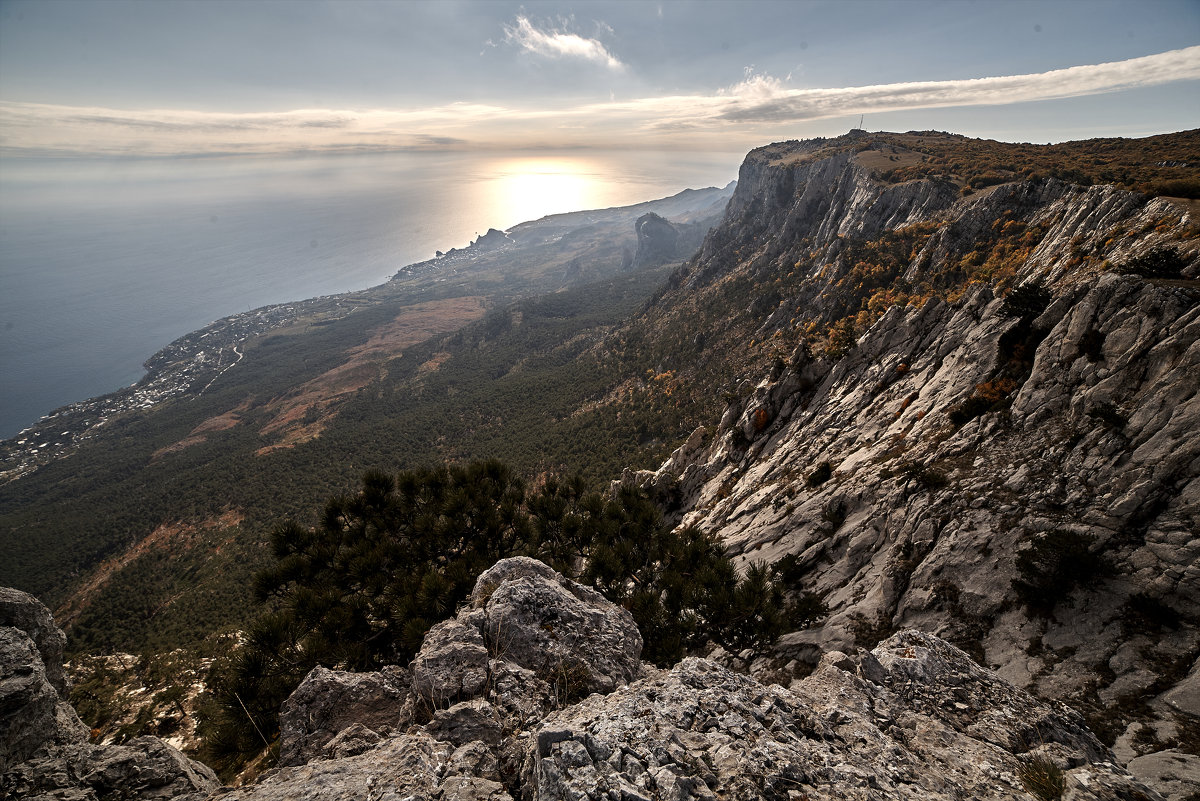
{"type": "Point", "coordinates": [757, 107]}
{"type": "Point", "coordinates": [761, 99]}
{"type": "Point", "coordinates": [557, 44]}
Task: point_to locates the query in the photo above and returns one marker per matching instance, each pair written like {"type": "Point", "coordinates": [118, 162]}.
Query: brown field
{"type": "Point", "coordinates": [315, 401]}
{"type": "Point", "coordinates": [166, 536]}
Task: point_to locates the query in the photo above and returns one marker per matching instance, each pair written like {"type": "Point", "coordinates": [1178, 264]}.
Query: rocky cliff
{"type": "Point", "coordinates": [1018, 473]}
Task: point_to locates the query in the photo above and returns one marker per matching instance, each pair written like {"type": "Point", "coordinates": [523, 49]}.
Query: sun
{"type": "Point", "coordinates": [530, 188]}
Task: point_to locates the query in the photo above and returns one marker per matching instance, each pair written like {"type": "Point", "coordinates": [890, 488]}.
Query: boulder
{"type": "Point", "coordinates": [330, 701]}
{"type": "Point", "coordinates": [452, 663]}
{"type": "Point", "coordinates": [570, 635]}
{"type": "Point", "coordinates": [470, 721]}
{"type": "Point", "coordinates": [1173, 773]}
{"type": "Point", "coordinates": [530, 639]}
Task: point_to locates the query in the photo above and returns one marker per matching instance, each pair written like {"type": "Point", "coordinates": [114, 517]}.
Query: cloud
{"type": "Point", "coordinates": [762, 99]}
{"type": "Point", "coordinates": [748, 112]}
{"type": "Point", "coordinates": [557, 44]}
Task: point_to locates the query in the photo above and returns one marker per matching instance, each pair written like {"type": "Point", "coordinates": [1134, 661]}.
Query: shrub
{"type": "Point", "coordinates": [1042, 778]}
{"type": "Point", "coordinates": [1144, 613]}
{"type": "Point", "coordinates": [1026, 301]}
{"type": "Point", "coordinates": [975, 406]}
{"type": "Point", "coordinates": [925, 477]}
{"type": "Point", "coordinates": [1180, 187]}
{"type": "Point", "coordinates": [1110, 414]}
{"type": "Point", "coordinates": [1158, 263]}
{"type": "Point", "coordinates": [1091, 345]}
{"type": "Point", "coordinates": [822, 473]}
{"type": "Point", "coordinates": [363, 587]}
{"type": "Point", "coordinates": [1055, 564]}
{"type": "Point", "coordinates": [987, 396]}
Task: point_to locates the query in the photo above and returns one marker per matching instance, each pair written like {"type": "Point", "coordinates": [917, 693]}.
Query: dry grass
{"type": "Point", "coordinates": [303, 414]}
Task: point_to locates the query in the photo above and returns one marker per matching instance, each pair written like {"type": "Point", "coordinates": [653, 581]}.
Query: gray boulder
{"type": "Point", "coordinates": [529, 640]}
{"type": "Point", "coordinates": [452, 663]}
{"type": "Point", "coordinates": [328, 702]}
{"type": "Point", "coordinates": [470, 721]}
{"type": "Point", "coordinates": [570, 635]}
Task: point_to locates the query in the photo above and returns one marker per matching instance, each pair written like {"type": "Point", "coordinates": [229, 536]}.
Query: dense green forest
{"type": "Point", "coordinates": [511, 387]}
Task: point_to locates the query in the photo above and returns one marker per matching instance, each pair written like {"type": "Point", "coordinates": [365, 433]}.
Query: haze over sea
{"type": "Point", "coordinates": [102, 263]}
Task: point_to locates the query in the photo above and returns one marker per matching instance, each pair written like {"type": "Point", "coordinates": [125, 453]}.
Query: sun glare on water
{"type": "Point", "coordinates": [530, 188]}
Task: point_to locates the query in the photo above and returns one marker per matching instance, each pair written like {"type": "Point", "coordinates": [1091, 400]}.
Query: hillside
{"type": "Point", "coordinates": [971, 413]}
{"type": "Point", "coordinates": [143, 528]}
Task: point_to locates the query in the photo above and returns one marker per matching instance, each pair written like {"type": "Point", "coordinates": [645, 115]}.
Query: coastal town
{"type": "Point", "coordinates": [185, 368]}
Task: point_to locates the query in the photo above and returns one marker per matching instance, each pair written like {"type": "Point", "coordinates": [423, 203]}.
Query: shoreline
{"type": "Point", "coordinates": [190, 364]}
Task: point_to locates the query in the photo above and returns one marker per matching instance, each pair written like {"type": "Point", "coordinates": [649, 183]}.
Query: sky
{"type": "Point", "coordinates": [184, 78]}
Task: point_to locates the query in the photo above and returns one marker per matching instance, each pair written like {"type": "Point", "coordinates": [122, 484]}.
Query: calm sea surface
{"type": "Point", "coordinates": [102, 263]}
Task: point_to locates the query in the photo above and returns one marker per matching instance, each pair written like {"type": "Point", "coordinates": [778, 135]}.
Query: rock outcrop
{"type": "Point", "coordinates": [949, 455]}
{"type": "Point", "coordinates": [44, 748]}
{"type": "Point", "coordinates": [456, 721]}
{"type": "Point", "coordinates": [660, 240]}
{"type": "Point", "coordinates": [913, 719]}
{"type": "Point", "coordinates": [329, 703]}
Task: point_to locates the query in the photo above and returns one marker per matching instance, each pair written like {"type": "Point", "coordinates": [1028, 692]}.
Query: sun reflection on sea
{"type": "Point", "coordinates": [530, 188]}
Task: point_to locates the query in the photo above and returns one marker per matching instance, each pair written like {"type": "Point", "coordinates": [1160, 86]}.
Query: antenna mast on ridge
{"type": "Point", "coordinates": [860, 121]}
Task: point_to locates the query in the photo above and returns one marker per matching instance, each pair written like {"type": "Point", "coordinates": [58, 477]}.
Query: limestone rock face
{"type": "Point", "coordinates": [44, 748]}
{"type": "Point", "coordinates": [925, 515]}
{"type": "Point", "coordinates": [330, 701]}
{"type": "Point", "coordinates": [31, 713]}
{"type": "Point", "coordinates": [20, 610]}
{"type": "Point", "coordinates": [936, 727]}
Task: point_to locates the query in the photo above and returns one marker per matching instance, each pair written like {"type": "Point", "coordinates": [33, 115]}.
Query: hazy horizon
{"type": "Point", "coordinates": [122, 77]}
{"type": "Point", "coordinates": [107, 105]}
{"type": "Point", "coordinates": [105, 264]}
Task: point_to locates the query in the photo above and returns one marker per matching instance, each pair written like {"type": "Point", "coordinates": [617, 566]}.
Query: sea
{"type": "Point", "coordinates": [103, 262]}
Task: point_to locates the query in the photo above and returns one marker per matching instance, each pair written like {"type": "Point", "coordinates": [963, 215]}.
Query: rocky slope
{"type": "Point", "coordinates": [493, 707]}
{"type": "Point", "coordinates": [44, 748]}
{"type": "Point", "coordinates": [1022, 480]}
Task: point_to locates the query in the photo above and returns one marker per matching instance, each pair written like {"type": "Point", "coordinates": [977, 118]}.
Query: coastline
{"type": "Point", "coordinates": [190, 364]}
